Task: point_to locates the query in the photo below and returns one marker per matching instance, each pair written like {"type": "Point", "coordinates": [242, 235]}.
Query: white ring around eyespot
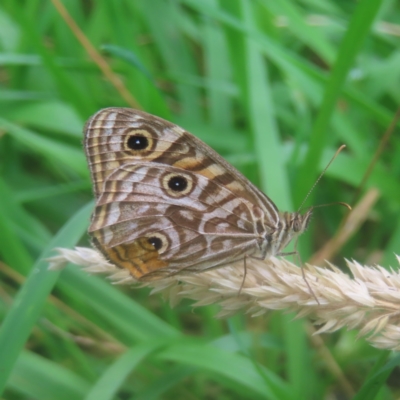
{"type": "Point", "coordinates": [164, 240]}
{"type": "Point", "coordinates": [167, 177]}
{"type": "Point", "coordinates": [138, 132]}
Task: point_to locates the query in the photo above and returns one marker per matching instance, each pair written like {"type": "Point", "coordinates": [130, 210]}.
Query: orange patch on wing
{"type": "Point", "coordinates": [235, 186]}
{"type": "Point", "coordinates": [212, 171]}
{"type": "Point", "coordinates": [188, 163]}
{"type": "Point", "coordinates": [139, 257]}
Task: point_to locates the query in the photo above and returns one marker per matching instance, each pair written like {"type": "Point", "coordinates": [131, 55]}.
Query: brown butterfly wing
{"type": "Point", "coordinates": [195, 229]}
{"type": "Point", "coordinates": [141, 224]}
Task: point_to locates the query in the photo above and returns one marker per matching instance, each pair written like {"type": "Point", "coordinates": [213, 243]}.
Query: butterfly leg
{"type": "Point", "coordinates": [244, 274]}
{"type": "Point", "coordinates": [290, 253]}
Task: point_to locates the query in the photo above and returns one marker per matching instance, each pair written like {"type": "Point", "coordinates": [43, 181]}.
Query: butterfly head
{"type": "Point", "coordinates": [299, 222]}
{"type": "Point", "coordinates": [292, 225]}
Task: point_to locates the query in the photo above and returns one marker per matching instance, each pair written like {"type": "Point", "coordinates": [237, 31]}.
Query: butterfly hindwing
{"type": "Point", "coordinates": [196, 228]}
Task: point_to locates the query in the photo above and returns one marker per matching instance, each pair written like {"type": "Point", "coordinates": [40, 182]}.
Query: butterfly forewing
{"type": "Point", "coordinates": [107, 136]}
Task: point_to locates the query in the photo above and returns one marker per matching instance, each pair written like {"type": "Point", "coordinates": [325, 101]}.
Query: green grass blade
{"type": "Point", "coordinates": [109, 383]}
{"type": "Point", "coordinates": [36, 377]}
{"type": "Point", "coordinates": [360, 25]}
{"type": "Point", "coordinates": [233, 367]}
{"type": "Point", "coordinates": [29, 302]}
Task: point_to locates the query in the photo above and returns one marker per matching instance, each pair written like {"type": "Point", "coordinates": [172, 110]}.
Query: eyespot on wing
{"type": "Point", "coordinates": [139, 257]}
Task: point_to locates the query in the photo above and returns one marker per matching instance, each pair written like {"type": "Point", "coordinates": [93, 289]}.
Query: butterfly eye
{"type": "Point", "coordinates": [297, 224]}
{"type": "Point", "coordinates": [138, 141]}
{"type": "Point", "coordinates": [177, 185]}
{"type": "Point", "coordinates": [158, 241]}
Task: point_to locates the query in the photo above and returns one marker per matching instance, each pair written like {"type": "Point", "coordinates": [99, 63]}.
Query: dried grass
{"type": "Point", "coordinates": [369, 301]}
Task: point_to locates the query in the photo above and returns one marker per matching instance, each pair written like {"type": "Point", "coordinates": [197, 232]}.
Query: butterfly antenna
{"type": "Point", "coordinates": [321, 175]}
{"type": "Point", "coordinates": [341, 203]}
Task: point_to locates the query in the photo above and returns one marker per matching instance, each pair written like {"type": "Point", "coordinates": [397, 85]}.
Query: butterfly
{"type": "Point", "coordinates": [166, 203]}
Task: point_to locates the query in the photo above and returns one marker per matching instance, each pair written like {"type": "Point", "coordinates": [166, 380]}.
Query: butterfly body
{"type": "Point", "coordinates": [166, 203]}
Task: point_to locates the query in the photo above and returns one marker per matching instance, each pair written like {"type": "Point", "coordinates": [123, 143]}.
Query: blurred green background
{"type": "Point", "coordinates": [275, 87]}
